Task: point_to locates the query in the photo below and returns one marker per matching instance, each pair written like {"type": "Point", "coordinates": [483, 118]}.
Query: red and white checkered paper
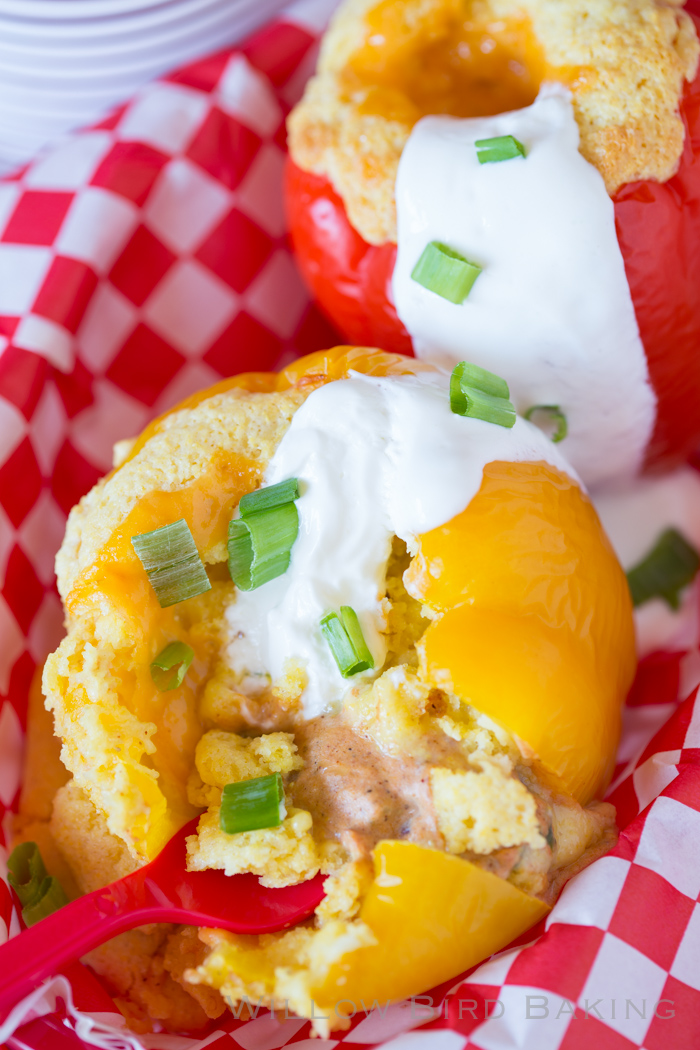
{"type": "Point", "coordinates": [144, 259]}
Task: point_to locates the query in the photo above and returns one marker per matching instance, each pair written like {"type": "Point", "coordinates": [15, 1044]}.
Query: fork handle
{"type": "Point", "coordinates": [66, 934]}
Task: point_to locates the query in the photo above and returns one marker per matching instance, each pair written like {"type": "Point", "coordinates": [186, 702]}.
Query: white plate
{"type": "Point", "coordinates": [91, 32]}
{"type": "Point", "coordinates": [61, 73]}
{"type": "Point", "coordinates": [102, 73]}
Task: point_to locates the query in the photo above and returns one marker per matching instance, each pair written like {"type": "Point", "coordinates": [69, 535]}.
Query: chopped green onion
{"type": "Point", "coordinates": [52, 898]}
{"type": "Point", "coordinates": [260, 545]}
{"type": "Point", "coordinates": [169, 668]}
{"type": "Point", "coordinates": [445, 272]}
{"type": "Point", "coordinates": [38, 892]}
{"type": "Point", "coordinates": [480, 394]}
{"type": "Point", "coordinates": [481, 379]}
{"type": "Point", "coordinates": [271, 496]}
{"type": "Point", "coordinates": [172, 561]}
{"type": "Point", "coordinates": [260, 541]}
{"type": "Point", "coordinates": [250, 805]}
{"type": "Point", "coordinates": [551, 419]}
{"type": "Point", "coordinates": [669, 566]}
{"type": "Point", "coordinates": [503, 147]}
{"type": "Point", "coordinates": [26, 871]}
{"type": "Point", "coordinates": [346, 641]}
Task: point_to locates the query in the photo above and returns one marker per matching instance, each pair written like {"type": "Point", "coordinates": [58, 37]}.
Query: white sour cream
{"type": "Point", "coordinates": [551, 312]}
{"type": "Point", "coordinates": [375, 457]}
{"type": "Point", "coordinates": [634, 517]}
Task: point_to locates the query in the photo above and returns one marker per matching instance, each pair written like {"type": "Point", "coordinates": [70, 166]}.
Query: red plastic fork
{"type": "Point", "coordinates": [162, 891]}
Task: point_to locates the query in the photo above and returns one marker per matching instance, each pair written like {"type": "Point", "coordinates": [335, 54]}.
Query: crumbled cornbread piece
{"type": "Point", "coordinates": [281, 856]}
{"type": "Point", "coordinates": [223, 758]}
{"type": "Point", "coordinates": [288, 689]}
{"type": "Point", "coordinates": [144, 972]}
{"type": "Point", "coordinates": [280, 969]}
{"type": "Point", "coordinates": [484, 810]}
{"type": "Point", "coordinates": [345, 890]}
{"type": "Point", "coordinates": [625, 62]}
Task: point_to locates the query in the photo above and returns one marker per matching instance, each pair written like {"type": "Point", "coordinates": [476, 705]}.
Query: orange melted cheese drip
{"type": "Point", "coordinates": [447, 63]}
{"type": "Point", "coordinates": [116, 585]}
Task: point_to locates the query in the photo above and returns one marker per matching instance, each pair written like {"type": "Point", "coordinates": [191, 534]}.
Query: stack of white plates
{"type": "Point", "coordinates": [63, 63]}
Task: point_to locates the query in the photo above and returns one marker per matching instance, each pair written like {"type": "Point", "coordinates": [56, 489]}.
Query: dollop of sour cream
{"type": "Point", "coordinates": [551, 311]}
{"type": "Point", "coordinates": [375, 457]}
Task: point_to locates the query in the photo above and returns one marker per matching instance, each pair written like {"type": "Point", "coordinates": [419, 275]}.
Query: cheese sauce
{"type": "Point", "coordinates": [375, 457]}
{"type": "Point", "coordinates": [551, 311]}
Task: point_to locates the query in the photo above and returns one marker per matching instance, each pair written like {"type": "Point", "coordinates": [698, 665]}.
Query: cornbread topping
{"type": "Point", "coordinates": [385, 65]}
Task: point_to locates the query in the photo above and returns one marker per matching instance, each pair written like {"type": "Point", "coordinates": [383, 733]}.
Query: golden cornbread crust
{"type": "Point", "coordinates": [179, 452]}
{"type": "Point", "coordinates": [631, 57]}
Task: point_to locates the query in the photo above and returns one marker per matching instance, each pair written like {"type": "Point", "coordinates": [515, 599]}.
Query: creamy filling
{"type": "Point", "coordinates": [552, 310]}
{"type": "Point", "coordinates": [634, 517]}
{"type": "Point", "coordinates": [375, 457]}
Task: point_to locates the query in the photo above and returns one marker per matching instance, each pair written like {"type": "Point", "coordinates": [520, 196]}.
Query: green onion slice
{"type": "Point", "coordinates": [445, 272]}
{"type": "Point", "coordinates": [346, 641]}
{"type": "Point", "coordinates": [253, 804]}
{"type": "Point", "coordinates": [260, 545]}
{"type": "Point", "coordinates": [480, 394]}
{"type": "Point", "coordinates": [271, 496]}
{"type": "Point", "coordinates": [38, 892]}
{"type": "Point", "coordinates": [260, 541]}
{"type": "Point", "coordinates": [549, 418]}
{"type": "Point", "coordinates": [172, 561]}
{"type": "Point", "coordinates": [52, 898]}
{"type": "Point", "coordinates": [169, 668]}
{"type": "Point", "coordinates": [503, 147]}
{"type": "Point", "coordinates": [670, 565]}
{"type": "Point", "coordinates": [26, 872]}
{"type": "Point", "coordinates": [481, 379]}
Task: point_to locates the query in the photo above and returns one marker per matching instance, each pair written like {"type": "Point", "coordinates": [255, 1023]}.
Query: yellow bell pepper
{"type": "Point", "coordinates": [434, 916]}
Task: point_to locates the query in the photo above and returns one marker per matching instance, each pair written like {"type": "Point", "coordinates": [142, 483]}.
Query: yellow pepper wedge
{"type": "Point", "coordinates": [434, 916]}
{"type": "Point", "coordinates": [534, 623]}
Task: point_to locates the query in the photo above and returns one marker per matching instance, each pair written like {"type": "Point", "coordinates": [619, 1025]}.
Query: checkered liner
{"type": "Point", "coordinates": [145, 258]}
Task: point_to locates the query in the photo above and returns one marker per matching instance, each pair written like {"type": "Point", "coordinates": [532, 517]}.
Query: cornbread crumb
{"type": "Point", "coordinates": [291, 685]}
{"type": "Point", "coordinates": [345, 890]}
{"type": "Point", "coordinates": [144, 972]}
{"type": "Point", "coordinates": [223, 758]}
{"type": "Point", "coordinates": [281, 856]}
{"type": "Point", "coordinates": [625, 62]}
{"type": "Point", "coordinates": [485, 809]}
{"type": "Point", "coordinates": [281, 970]}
